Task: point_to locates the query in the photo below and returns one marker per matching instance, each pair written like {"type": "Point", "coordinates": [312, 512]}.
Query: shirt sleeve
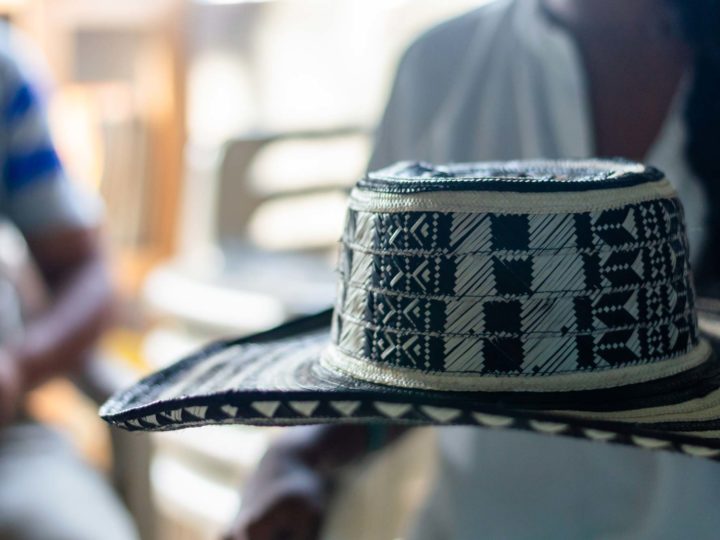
{"type": "Point", "coordinates": [35, 193]}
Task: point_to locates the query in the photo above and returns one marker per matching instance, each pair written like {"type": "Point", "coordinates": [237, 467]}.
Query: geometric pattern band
{"type": "Point", "coordinates": [516, 294]}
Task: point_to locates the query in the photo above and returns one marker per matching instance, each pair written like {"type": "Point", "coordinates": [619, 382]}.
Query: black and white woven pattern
{"type": "Point", "coordinates": [554, 297]}
{"type": "Point", "coordinates": [516, 294]}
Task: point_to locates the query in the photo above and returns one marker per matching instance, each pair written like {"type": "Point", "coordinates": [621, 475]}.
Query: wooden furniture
{"type": "Point", "coordinates": [121, 67]}
{"type": "Point", "coordinates": [118, 118]}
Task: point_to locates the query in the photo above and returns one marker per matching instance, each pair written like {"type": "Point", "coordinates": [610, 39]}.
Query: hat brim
{"type": "Point", "coordinates": [275, 378]}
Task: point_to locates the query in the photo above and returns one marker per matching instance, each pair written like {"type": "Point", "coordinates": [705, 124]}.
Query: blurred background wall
{"type": "Point", "coordinates": [222, 136]}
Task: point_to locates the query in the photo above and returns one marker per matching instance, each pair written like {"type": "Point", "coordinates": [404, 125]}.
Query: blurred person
{"type": "Point", "coordinates": [521, 79]}
{"type": "Point", "coordinates": [46, 490]}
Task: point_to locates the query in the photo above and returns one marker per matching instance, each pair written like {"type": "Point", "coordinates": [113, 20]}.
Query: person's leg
{"type": "Point", "coordinates": [48, 493]}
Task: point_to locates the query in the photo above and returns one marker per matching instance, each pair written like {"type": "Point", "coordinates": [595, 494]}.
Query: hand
{"type": "Point", "coordinates": [10, 388]}
{"type": "Point", "coordinates": [285, 499]}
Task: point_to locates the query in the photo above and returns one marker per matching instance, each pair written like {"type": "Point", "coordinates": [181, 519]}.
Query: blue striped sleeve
{"type": "Point", "coordinates": [35, 193]}
{"type": "Point", "coordinates": [29, 155]}
{"type": "Point", "coordinates": [21, 101]}
{"type": "Point", "coordinates": [22, 169]}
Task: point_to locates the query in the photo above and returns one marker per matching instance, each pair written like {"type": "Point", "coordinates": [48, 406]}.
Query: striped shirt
{"type": "Point", "coordinates": [35, 194]}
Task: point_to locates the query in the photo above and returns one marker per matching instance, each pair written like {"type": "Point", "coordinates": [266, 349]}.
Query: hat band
{"type": "Point", "coordinates": [340, 362]}
{"type": "Point", "coordinates": [499, 201]}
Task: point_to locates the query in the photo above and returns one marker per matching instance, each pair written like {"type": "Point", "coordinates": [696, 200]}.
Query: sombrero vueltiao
{"type": "Point", "coordinates": [550, 296]}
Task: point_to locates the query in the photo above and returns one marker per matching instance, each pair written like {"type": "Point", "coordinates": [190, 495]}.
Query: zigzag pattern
{"type": "Point", "coordinates": [291, 412]}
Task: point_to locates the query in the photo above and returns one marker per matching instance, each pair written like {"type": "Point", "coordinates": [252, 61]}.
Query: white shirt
{"type": "Point", "coordinates": [503, 82]}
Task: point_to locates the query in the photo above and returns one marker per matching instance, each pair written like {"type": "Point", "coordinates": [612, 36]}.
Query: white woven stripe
{"type": "Point", "coordinates": [336, 360]}
{"type": "Point", "coordinates": [463, 316]}
{"type": "Point", "coordinates": [474, 276]}
{"type": "Point", "coordinates": [470, 233]}
{"type": "Point", "coordinates": [510, 203]}
{"type": "Point", "coordinates": [553, 230]}
{"type": "Point", "coordinates": [361, 268]}
{"type": "Point", "coordinates": [551, 273]}
{"type": "Point", "coordinates": [462, 354]}
{"type": "Point", "coordinates": [364, 228]}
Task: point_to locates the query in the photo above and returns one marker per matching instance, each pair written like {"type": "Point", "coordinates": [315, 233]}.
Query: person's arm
{"type": "Point", "coordinates": [61, 338]}
{"type": "Point", "coordinates": [59, 223]}
{"type": "Point", "coordinates": [287, 495]}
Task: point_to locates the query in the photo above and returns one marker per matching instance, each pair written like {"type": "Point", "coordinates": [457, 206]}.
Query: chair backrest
{"type": "Point", "coordinates": [237, 194]}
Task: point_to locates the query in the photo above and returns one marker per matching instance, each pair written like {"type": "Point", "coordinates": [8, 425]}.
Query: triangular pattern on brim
{"type": "Point", "coordinates": [279, 412]}
{"type": "Point", "coordinates": [139, 408]}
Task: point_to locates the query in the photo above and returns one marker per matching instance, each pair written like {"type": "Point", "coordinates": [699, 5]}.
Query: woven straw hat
{"type": "Point", "coordinates": [550, 296]}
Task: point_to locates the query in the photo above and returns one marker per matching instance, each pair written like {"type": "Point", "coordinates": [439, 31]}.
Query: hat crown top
{"type": "Point", "coordinates": [512, 276]}
{"type": "Point", "coordinates": [520, 176]}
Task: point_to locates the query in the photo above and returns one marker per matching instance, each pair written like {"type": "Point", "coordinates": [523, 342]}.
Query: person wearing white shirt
{"type": "Point", "coordinates": [521, 79]}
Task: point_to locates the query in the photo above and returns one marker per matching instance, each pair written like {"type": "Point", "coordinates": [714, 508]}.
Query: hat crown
{"type": "Point", "coordinates": [514, 276]}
